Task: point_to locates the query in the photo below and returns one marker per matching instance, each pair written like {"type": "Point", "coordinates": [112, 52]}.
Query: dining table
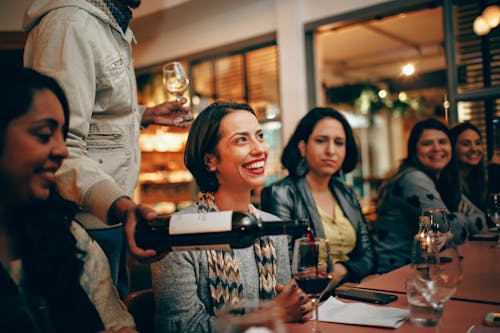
{"type": "Point", "coordinates": [477, 295]}
{"type": "Point", "coordinates": [481, 275]}
{"type": "Point", "coordinates": [458, 317]}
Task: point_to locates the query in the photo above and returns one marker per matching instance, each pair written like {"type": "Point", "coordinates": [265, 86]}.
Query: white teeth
{"type": "Point", "coordinates": [255, 165]}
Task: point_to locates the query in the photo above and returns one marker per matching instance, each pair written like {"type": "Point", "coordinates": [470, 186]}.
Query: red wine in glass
{"type": "Point", "coordinates": [314, 285]}
{"type": "Point", "coordinates": [312, 268]}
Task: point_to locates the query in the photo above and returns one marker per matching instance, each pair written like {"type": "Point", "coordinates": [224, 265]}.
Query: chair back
{"type": "Point", "coordinates": [141, 305]}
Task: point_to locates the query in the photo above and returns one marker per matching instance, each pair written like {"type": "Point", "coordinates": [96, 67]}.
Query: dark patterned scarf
{"type": "Point", "coordinates": [115, 10]}
{"type": "Point", "coordinates": [223, 272]}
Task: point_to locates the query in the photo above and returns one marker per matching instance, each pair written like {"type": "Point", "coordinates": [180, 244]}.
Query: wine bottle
{"type": "Point", "coordinates": [210, 230]}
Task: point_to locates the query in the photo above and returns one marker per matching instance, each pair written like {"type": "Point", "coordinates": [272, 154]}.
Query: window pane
{"type": "Point", "coordinates": [229, 84]}
{"type": "Point", "coordinates": [262, 74]}
{"type": "Point", "coordinates": [476, 112]}
{"type": "Point", "coordinates": [203, 79]}
{"type": "Point", "coordinates": [478, 58]}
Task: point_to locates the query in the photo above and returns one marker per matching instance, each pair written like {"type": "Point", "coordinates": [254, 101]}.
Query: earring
{"type": "Point", "coordinates": [302, 167]}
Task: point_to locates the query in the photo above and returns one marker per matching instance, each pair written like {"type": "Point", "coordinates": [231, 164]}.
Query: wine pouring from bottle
{"type": "Point", "coordinates": [211, 230]}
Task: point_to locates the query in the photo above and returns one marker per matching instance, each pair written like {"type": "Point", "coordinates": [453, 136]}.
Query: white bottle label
{"type": "Point", "coordinates": [181, 224]}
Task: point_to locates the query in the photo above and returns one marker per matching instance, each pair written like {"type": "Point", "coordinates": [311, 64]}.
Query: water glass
{"type": "Point", "coordinates": [250, 316]}
{"type": "Point", "coordinates": [422, 312]}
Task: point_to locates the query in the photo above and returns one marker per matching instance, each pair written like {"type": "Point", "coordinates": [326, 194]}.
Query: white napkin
{"type": "Point", "coordinates": [335, 311]}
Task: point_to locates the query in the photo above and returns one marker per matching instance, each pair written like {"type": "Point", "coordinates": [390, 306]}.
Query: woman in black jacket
{"type": "Point", "coordinates": [321, 148]}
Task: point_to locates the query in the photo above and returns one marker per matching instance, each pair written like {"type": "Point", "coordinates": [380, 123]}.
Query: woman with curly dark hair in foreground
{"type": "Point", "coordinates": [53, 276]}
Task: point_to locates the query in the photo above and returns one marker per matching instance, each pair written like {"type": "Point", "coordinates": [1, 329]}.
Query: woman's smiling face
{"type": "Point", "coordinates": [241, 152]}
{"type": "Point", "coordinates": [34, 148]}
{"type": "Point", "coordinates": [434, 150]}
{"type": "Point", "coordinates": [469, 149]}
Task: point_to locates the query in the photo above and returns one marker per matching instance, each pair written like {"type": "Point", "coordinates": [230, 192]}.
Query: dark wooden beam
{"type": "Point", "coordinates": [12, 40]}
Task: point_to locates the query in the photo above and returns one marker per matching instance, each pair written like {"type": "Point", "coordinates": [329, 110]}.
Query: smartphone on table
{"type": "Point", "coordinates": [492, 319]}
{"type": "Point", "coordinates": [367, 296]}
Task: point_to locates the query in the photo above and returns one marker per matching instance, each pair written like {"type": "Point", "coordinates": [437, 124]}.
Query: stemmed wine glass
{"type": "Point", "coordinates": [439, 226]}
{"type": "Point", "coordinates": [312, 268]}
{"type": "Point", "coordinates": [493, 212]}
{"type": "Point", "coordinates": [176, 82]}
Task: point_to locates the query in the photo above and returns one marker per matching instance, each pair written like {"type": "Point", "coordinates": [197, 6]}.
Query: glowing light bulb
{"type": "Point", "coordinates": [480, 26]}
{"type": "Point", "coordinates": [491, 15]}
{"type": "Point", "coordinates": [408, 70]}
{"type": "Point", "coordinates": [382, 93]}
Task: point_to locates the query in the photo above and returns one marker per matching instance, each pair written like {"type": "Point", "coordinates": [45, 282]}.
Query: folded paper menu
{"type": "Point", "coordinates": [335, 311]}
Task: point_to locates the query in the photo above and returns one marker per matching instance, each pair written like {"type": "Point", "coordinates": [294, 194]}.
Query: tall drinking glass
{"type": "Point", "coordinates": [493, 212]}
{"type": "Point", "coordinates": [249, 316]}
{"type": "Point", "coordinates": [312, 268]}
{"type": "Point", "coordinates": [436, 274]}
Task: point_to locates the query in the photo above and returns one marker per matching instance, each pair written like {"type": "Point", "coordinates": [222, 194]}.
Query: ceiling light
{"type": "Point", "coordinates": [480, 26]}
{"type": "Point", "coordinates": [491, 15]}
{"type": "Point", "coordinates": [408, 70]}
{"type": "Point", "coordinates": [402, 96]}
{"type": "Point", "coordinates": [382, 93]}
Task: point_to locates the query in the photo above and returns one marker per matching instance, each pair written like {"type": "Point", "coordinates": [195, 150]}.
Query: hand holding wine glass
{"type": "Point", "coordinates": [312, 268]}
{"type": "Point", "coordinates": [176, 82]}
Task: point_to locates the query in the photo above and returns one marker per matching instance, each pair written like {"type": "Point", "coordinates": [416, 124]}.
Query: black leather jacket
{"type": "Point", "coordinates": [291, 198]}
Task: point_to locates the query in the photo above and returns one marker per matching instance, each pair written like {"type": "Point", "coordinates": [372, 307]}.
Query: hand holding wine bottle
{"type": "Point", "coordinates": [213, 230]}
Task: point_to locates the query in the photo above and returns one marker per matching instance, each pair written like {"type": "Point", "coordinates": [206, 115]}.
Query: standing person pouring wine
{"type": "Point", "coordinates": [227, 155]}
{"type": "Point", "coordinates": [86, 46]}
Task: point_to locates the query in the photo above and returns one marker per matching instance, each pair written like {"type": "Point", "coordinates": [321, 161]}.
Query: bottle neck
{"type": "Point", "coordinates": [293, 227]}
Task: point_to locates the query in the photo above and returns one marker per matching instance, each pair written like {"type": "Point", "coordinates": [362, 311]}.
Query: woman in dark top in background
{"type": "Point", "coordinates": [468, 151]}
{"type": "Point", "coordinates": [427, 178]}
{"type": "Point", "coordinates": [321, 148]}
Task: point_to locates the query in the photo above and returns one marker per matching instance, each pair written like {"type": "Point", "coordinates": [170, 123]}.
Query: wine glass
{"type": "Point", "coordinates": [175, 79]}
{"type": "Point", "coordinates": [312, 268]}
{"type": "Point", "coordinates": [176, 82]}
{"type": "Point", "coordinates": [437, 287]}
{"type": "Point", "coordinates": [436, 273]}
{"type": "Point", "coordinates": [493, 212]}
{"type": "Point", "coordinates": [438, 226]}
{"type": "Point", "coordinates": [249, 316]}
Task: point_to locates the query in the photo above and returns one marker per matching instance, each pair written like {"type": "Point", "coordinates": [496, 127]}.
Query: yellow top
{"type": "Point", "coordinates": [339, 232]}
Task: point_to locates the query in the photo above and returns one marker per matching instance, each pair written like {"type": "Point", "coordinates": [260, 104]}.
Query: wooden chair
{"type": "Point", "coordinates": [141, 305]}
